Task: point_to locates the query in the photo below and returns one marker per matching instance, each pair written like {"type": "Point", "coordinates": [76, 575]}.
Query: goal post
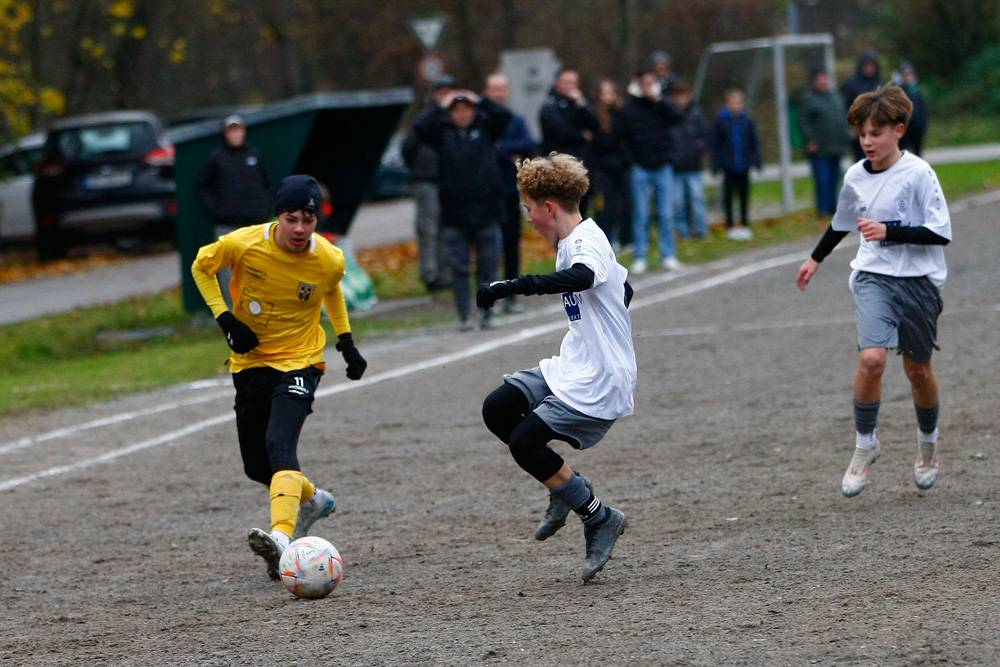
{"type": "Point", "coordinates": [777, 47]}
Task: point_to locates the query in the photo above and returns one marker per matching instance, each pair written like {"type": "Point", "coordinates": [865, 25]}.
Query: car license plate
{"type": "Point", "coordinates": [113, 180]}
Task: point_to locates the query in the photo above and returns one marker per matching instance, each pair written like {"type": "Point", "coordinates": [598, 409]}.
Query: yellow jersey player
{"type": "Point", "coordinates": [283, 273]}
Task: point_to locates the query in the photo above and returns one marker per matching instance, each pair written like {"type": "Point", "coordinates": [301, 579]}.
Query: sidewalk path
{"type": "Point", "coordinates": [377, 224]}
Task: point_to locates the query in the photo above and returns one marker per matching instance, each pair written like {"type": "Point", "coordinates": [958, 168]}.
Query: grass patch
{"type": "Point", "coordinates": [102, 353]}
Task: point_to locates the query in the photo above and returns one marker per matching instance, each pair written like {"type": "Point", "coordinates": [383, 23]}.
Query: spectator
{"type": "Point", "coordinates": [516, 144]}
{"type": "Point", "coordinates": [663, 67]}
{"type": "Point", "coordinates": [735, 149]}
{"type": "Point", "coordinates": [689, 140]}
{"type": "Point", "coordinates": [647, 121]}
{"type": "Point", "coordinates": [465, 133]}
{"type": "Point", "coordinates": [568, 121]}
{"type": "Point", "coordinates": [825, 137]}
{"type": "Point", "coordinates": [235, 187]}
{"type": "Point", "coordinates": [866, 78]}
{"type": "Point", "coordinates": [422, 160]}
{"type": "Point", "coordinates": [609, 165]}
{"type": "Point", "coordinates": [913, 140]}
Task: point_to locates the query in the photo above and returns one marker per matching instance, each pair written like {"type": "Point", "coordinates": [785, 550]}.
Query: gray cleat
{"type": "Point", "coordinates": [555, 514]}
{"type": "Point", "coordinates": [265, 546]}
{"type": "Point", "coordinates": [307, 517]}
{"type": "Point", "coordinates": [601, 541]}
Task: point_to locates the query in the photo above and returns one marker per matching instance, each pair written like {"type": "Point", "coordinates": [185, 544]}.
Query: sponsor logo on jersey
{"type": "Point", "coordinates": [254, 272]}
{"type": "Point", "coordinates": [305, 291]}
{"type": "Point", "coordinates": [571, 302]}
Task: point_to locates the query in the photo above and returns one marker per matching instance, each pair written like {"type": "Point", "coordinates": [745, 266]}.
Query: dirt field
{"type": "Point", "coordinates": [123, 542]}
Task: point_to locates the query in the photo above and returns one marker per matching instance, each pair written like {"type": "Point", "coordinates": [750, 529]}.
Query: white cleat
{"type": "Point", "coordinates": [925, 470]}
{"type": "Point", "coordinates": [856, 476]}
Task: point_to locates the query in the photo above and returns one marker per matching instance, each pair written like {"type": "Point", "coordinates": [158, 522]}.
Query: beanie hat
{"type": "Point", "coordinates": [299, 193]}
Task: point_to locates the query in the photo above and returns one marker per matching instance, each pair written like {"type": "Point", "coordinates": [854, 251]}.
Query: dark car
{"type": "Point", "coordinates": [392, 179]}
{"type": "Point", "coordinates": [108, 176]}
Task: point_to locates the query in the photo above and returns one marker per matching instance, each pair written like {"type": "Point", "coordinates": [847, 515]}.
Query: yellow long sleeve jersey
{"type": "Point", "coordinates": [278, 294]}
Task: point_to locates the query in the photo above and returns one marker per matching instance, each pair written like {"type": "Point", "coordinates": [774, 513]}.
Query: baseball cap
{"type": "Point", "coordinates": [299, 192]}
{"type": "Point", "coordinates": [460, 98]}
{"type": "Point", "coordinates": [446, 80]}
{"type": "Point", "coordinates": [233, 119]}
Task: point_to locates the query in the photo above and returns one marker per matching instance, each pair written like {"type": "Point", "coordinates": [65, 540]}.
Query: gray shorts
{"type": "Point", "coordinates": [898, 313]}
{"type": "Point", "coordinates": [561, 418]}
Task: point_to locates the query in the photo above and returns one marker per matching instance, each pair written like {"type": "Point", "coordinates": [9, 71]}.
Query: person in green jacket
{"type": "Point", "coordinates": [825, 136]}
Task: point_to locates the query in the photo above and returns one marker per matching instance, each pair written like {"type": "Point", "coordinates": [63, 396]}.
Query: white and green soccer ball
{"type": "Point", "coordinates": [310, 567]}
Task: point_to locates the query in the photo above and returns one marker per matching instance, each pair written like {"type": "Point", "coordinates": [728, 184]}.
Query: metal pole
{"type": "Point", "coordinates": [784, 140]}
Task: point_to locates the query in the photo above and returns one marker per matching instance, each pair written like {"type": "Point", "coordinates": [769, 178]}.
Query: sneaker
{"type": "Point", "coordinates": [746, 234]}
{"type": "Point", "coordinates": [307, 517]}
{"type": "Point", "coordinates": [734, 234]}
{"type": "Point", "coordinates": [265, 546]}
{"type": "Point", "coordinates": [672, 264]}
{"type": "Point", "coordinates": [925, 470]}
{"type": "Point", "coordinates": [638, 267]}
{"type": "Point", "coordinates": [555, 515]}
{"type": "Point", "coordinates": [857, 472]}
{"type": "Point", "coordinates": [466, 325]}
{"type": "Point", "coordinates": [600, 541]}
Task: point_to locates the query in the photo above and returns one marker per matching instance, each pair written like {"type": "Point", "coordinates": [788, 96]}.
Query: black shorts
{"type": "Point", "coordinates": [271, 407]}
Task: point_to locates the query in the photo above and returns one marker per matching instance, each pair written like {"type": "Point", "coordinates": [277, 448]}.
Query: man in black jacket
{"type": "Point", "coordinates": [568, 121]}
{"type": "Point", "coordinates": [464, 131]}
{"type": "Point", "coordinates": [235, 186]}
{"type": "Point", "coordinates": [647, 119]}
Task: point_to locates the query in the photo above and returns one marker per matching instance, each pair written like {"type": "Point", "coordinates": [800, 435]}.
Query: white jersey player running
{"type": "Point", "coordinates": [576, 396]}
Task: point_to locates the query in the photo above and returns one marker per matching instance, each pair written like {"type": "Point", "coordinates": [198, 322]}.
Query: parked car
{"type": "Point", "coordinates": [108, 175]}
{"type": "Point", "coordinates": [392, 178]}
{"type": "Point", "coordinates": [17, 177]}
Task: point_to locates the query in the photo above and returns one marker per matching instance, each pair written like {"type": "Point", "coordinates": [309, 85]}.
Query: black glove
{"type": "Point", "coordinates": [487, 295]}
{"type": "Point", "coordinates": [356, 364]}
{"type": "Point", "coordinates": [240, 337]}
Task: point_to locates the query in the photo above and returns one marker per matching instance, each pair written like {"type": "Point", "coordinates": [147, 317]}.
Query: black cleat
{"type": "Point", "coordinates": [555, 515]}
{"type": "Point", "coordinates": [601, 541]}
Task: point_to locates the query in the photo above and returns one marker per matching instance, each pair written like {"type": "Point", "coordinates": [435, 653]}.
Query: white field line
{"type": "Point", "coordinates": [523, 334]}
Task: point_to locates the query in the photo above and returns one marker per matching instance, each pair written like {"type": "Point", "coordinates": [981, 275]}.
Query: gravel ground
{"type": "Point", "coordinates": [124, 525]}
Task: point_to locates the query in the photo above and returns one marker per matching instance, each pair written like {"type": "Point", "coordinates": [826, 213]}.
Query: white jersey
{"type": "Point", "coordinates": [907, 193]}
{"type": "Point", "coordinates": [595, 371]}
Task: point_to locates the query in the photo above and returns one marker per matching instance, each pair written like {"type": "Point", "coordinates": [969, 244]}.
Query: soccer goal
{"type": "Point", "coordinates": [745, 63]}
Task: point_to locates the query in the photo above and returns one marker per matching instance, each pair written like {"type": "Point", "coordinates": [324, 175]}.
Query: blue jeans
{"type": "Point", "coordinates": [662, 183]}
{"type": "Point", "coordinates": [689, 204]}
{"type": "Point", "coordinates": [826, 177]}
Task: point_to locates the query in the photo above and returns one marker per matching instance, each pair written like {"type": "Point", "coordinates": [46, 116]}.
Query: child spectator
{"type": "Point", "coordinates": [735, 149]}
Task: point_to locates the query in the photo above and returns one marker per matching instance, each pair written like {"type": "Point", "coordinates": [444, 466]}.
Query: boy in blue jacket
{"type": "Point", "coordinates": [735, 149]}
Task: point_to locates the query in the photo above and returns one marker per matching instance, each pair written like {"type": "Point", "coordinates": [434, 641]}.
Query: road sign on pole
{"type": "Point", "coordinates": [431, 67]}
{"type": "Point", "coordinates": [428, 30]}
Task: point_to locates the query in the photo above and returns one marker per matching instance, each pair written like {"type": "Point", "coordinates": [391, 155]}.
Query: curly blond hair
{"type": "Point", "coordinates": [558, 177]}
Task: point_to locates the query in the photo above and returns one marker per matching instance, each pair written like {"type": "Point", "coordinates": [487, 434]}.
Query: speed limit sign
{"type": "Point", "coordinates": [431, 68]}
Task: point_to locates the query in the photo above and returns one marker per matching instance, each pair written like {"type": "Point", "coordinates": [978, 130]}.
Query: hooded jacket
{"type": "Point", "coordinates": [858, 83]}
{"type": "Point", "coordinates": [563, 122]}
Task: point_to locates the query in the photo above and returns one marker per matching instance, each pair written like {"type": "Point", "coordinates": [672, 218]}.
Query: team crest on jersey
{"type": "Point", "coordinates": [305, 291]}
{"type": "Point", "coordinates": [571, 302]}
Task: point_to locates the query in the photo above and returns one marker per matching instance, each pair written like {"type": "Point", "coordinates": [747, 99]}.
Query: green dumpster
{"type": "Point", "coordinates": [337, 137]}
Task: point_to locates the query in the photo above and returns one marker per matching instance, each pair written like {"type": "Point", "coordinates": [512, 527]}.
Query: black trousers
{"type": "Point", "coordinates": [511, 229]}
{"type": "Point", "coordinates": [271, 407]}
{"type": "Point", "coordinates": [738, 185]}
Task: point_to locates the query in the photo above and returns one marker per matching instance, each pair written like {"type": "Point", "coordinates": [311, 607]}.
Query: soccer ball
{"type": "Point", "coordinates": [310, 567]}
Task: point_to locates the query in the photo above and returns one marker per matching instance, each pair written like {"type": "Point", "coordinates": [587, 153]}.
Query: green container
{"type": "Point", "coordinates": [337, 137]}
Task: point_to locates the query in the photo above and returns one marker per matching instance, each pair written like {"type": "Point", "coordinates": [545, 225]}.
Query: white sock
{"type": "Point", "coordinates": [281, 538]}
{"type": "Point", "coordinates": [927, 437]}
{"type": "Point", "coordinates": [313, 502]}
{"type": "Point", "coordinates": [865, 440]}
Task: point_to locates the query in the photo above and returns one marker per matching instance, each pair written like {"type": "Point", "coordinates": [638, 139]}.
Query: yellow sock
{"type": "Point", "coordinates": [308, 489]}
{"type": "Point", "coordinates": [286, 492]}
